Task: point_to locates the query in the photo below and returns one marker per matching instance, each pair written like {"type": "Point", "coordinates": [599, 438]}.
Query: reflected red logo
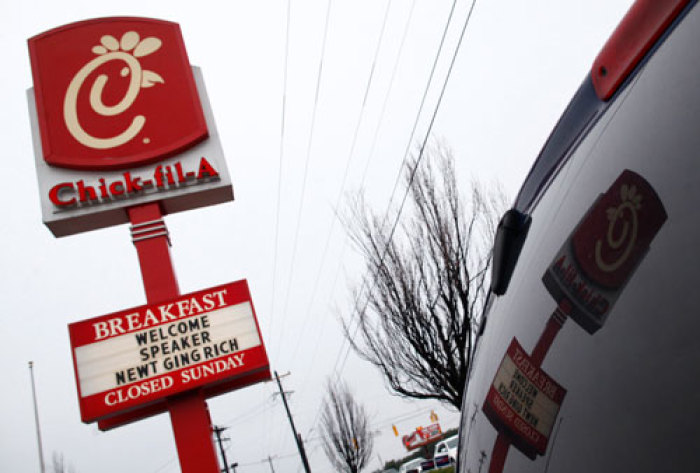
{"type": "Point", "coordinates": [618, 230]}
{"type": "Point", "coordinates": [114, 93]}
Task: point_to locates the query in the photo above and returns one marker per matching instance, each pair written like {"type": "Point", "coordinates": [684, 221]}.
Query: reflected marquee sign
{"type": "Point", "coordinates": [119, 119]}
{"type": "Point", "coordinates": [523, 402]}
{"type": "Point", "coordinates": [136, 357]}
{"type": "Point", "coordinates": [595, 263]}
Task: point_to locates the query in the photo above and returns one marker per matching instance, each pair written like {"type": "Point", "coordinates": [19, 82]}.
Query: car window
{"type": "Point", "coordinates": [597, 360]}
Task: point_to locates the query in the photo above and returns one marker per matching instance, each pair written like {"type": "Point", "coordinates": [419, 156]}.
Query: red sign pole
{"type": "Point", "coordinates": [554, 324]}
{"type": "Point", "coordinates": [188, 412]}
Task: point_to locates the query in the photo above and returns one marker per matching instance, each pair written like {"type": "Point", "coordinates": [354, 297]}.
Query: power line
{"type": "Point", "coordinates": [281, 160]}
{"type": "Point", "coordinates": [366, 279]}
{"type": "Point", "coordinates": [283, 121]}
{"type": "Point", "coordinates": [429, 130]}
{"type": "Point", "coordinates": [401, 417]}
{"type": "Point", "coordinates": [251, 413]}
{"type": "Point", "coordinates": [420, 156]}
{"type": "Point", "coordinates": [306, 166]}
{"type": "Point", "coordinates": [345, 174]}
{"type": "Point", "coordinates": [388, 93]}
{"type": "Point", "coordinates": [364, 175]}
{"type": "Point", "coordinates": [165, 465]}
{"type": "Point", "coordinates": [272, 457]}
{"type": "Point", "coordinates": [338, 365]}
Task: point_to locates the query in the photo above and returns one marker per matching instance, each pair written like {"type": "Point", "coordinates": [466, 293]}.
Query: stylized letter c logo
{"type": "Point", "coordinates": [624, 220]}
{"type": "Point", "coordinates": [139, 78]}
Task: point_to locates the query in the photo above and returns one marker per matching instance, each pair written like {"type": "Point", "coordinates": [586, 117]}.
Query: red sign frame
{"type": "Point", "coordinates": [107, 91]}
{"type": "Point", "coordinates": [172, 324]}
{"type": "Point", "coordinates": [504, 406]}
{"type": "Point", "coordinates": [602, 253]}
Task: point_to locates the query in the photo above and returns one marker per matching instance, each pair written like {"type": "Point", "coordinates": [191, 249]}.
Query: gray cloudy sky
{"type": "Point", "coordinates": [518, 66]}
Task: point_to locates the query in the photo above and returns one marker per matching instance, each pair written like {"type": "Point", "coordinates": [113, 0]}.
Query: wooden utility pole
{"type": "Point", "coordinates": [297, 437]}
{"type": "Point", "coordinates": [218, 431]}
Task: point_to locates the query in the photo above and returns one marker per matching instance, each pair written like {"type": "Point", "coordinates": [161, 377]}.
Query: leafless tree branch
{"type": "Point", "coordinates": [347, 438]}
{"type": "Point", "coordinates": [415, 319]}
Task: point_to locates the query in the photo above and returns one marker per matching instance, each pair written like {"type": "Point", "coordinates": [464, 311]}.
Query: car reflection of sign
{"type": "Point", "coordinates": [594, 264]}
{"type": "Point", "coordinates": [523, 402]}
{"type": "Point", "coordinates": [422, 436]}
{"type": "Point", "coordinates": [586, 278]}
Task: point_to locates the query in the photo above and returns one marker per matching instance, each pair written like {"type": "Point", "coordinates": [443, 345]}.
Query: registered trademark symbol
{"type": "Point", "coordinates": [146, 141]}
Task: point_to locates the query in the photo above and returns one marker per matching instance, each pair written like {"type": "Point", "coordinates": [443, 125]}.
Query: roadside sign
{"type": "Point", "coordinates": [422, 436]}
{"type": "Point", "coordinates": [136, 357]}
{"type": "Point", "coordinates": [120, 118]}
{"type": "Point", "coordinates": [523, 401]}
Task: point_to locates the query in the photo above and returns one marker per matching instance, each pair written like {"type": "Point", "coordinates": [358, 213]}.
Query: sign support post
{"type": "Point", "coordinates": [189, 414]}
{"type": "Point", "coordinates": [179, 349]}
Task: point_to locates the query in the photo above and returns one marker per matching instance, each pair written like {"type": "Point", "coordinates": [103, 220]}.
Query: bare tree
{"type": "Point", "coordinates": [346, 436]}
{"type": "Point", "coordinates": [414, 317]}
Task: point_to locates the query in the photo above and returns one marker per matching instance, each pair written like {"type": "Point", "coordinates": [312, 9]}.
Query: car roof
{"type": "Point", "coordinates": [595, 94]}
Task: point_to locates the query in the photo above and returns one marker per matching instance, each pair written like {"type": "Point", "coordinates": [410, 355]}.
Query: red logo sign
{"type": "Point", "coordinates": [596, 261]}
{"type": "Point", "coordinates": [618, 230]}
{"type": "Point", "coordinates": [114, 93]}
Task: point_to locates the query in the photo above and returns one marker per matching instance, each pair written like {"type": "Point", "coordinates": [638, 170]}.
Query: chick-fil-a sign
{"type": "Point", "coordinates": [596, 261]}
{"type": "Point", "coordinates": [139, 356]}
{"type": "Point", "coordinates": [114, 92]}
{"type": "Point", "coordinates": [120, 118]}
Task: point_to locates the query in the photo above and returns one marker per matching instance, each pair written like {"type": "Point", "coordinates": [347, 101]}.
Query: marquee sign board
{"type": "Point", "coordinates": [523, 402]}
{"type": "Point", "coordinates": [134, 358]}
{"type": "Point", "coordinates": [120, 119]}
{"type": "Point", "coordinates": [596, 261]}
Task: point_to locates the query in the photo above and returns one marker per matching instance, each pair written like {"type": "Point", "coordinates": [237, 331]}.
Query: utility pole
{"type": "Point", "coordinates": [269, 459]}
{"type": "Point", "coordinates": [218, 430]}
{"type": "Point", "coordinates": [42, 468]}
{"type": "Point", "coordinates": [297, 437]}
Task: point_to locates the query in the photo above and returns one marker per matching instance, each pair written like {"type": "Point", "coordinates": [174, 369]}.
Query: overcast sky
{"type": "Point", "coordinates": [520, 63]}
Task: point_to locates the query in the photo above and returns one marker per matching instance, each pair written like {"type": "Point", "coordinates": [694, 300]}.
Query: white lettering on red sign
{"type": "Point", "coordinates": [163, 313]}
{"type": "Point", "coordinates": [144, 354]}
{"type": "Point", "coordinates": [523, 401]}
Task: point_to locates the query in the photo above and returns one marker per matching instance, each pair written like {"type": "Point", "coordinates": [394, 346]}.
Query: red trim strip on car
{"type": "Point", "coordinates": [636, 34]}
